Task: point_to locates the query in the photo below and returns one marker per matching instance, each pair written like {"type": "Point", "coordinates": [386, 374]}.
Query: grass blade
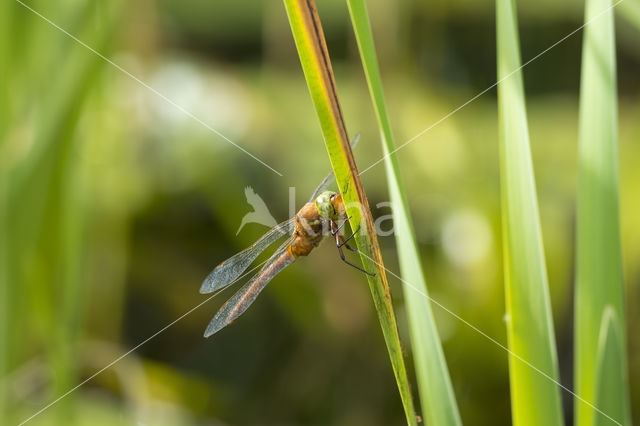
{"type": "Point", "coordinates": [631, 12]}
{"type": "Point", "coordinates": [599, 283]}
{"type": "Point", "coordinates": [535, 400]}
{"type": "Point", "coordinates": [610, 378]}
{"type": "Point", "coordinates": [309, 39]}
{"type": "Point", "coordinates": [6, 12]}
{"type": "Point", "coordinates": [436, 392]}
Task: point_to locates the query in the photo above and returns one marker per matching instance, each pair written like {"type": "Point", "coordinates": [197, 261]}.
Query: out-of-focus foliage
{"type": "Point", "coordinates": [131, 203]}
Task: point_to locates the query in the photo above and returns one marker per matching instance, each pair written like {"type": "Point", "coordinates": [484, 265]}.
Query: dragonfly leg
{"type": "Point", "coordinates": [346, 240]}
{"type": "Point", "coordinates": [348, 247]}
{"type": "Point", "coordinates": [336, 230]}
{"type": "Point", "coordinates": [339, 245]}
{"type": "Point", "coordinates": [343, 242]}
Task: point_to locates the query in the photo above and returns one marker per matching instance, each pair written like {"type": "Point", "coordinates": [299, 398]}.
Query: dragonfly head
{"type": "Point", "coordinates": [324, 205]}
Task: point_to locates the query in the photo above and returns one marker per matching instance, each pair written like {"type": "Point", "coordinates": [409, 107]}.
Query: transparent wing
{"type": "Point", "coordinates": [226, 272]}
{"type": "Point", "coordinates": [244, 297]}
{"type": "Point", "coordinates": [330, 178]}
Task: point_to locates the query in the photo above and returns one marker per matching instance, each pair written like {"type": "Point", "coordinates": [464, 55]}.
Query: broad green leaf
{"type": "Point", "coordinates": [599, 282]}
{"type": "Point", "coordinates": [309, 39]}
{"type": "Point", "coordinates": [535, 398]}
{"type": "Point", "coordinates": [436, 392]}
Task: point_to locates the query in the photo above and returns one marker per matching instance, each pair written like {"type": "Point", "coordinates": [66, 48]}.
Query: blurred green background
{"type": "Point", "coordinates": [116, 204]}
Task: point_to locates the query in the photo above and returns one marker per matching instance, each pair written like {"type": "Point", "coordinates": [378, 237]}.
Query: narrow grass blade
{"type": "Point", "coordinates": [599, 282]}
{"type": "Point", "coordinates": [5, 299]}
{"type": "Point", "coordinates": [535, 399]}
{"type": "Point", "coordinates": [436, 392]}
{"type": "Point", "coordinates": [630, 11]}
{"type": "Point", "coordinates": [6, 11]}
{"type": "Point", "coordinates": [310, 42]}
{"type": "Point", "coordinates": [609, 376]}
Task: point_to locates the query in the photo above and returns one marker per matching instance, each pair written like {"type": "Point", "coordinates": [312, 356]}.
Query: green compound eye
{"type": "Point", "coordinates": [324, 206]}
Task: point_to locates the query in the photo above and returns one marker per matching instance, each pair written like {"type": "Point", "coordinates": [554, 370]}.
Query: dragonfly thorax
{"type": "Point", "coordinates": [324, 204]}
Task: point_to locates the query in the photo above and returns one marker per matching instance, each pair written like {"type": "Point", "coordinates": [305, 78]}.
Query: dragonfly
{"type": "Point", "coordinates": [324, 210]}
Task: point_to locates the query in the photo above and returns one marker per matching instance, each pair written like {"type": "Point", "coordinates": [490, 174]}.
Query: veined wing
{"type": "Point", "coordinates": [226, 272]}
{"type": "Point", "coordinates": [330, 178]}
{"type": "Point", "coordinates": [244, 297]}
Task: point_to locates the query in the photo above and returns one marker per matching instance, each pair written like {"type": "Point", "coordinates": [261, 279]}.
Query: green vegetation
{"type": "Point", "coordinates": [115, 204]}
{"type": "Point", "coordinates": [309, 37]}
{"type": "Point", "coordinates": [533, 365]}
{"type": "Point", "coordinates": [436, 392]}
{"type": "Point", "coordinates": [600, 349]}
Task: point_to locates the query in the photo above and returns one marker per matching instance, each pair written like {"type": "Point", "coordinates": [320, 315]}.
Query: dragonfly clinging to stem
{"type": "Point", "coordinates": [324, 210]}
